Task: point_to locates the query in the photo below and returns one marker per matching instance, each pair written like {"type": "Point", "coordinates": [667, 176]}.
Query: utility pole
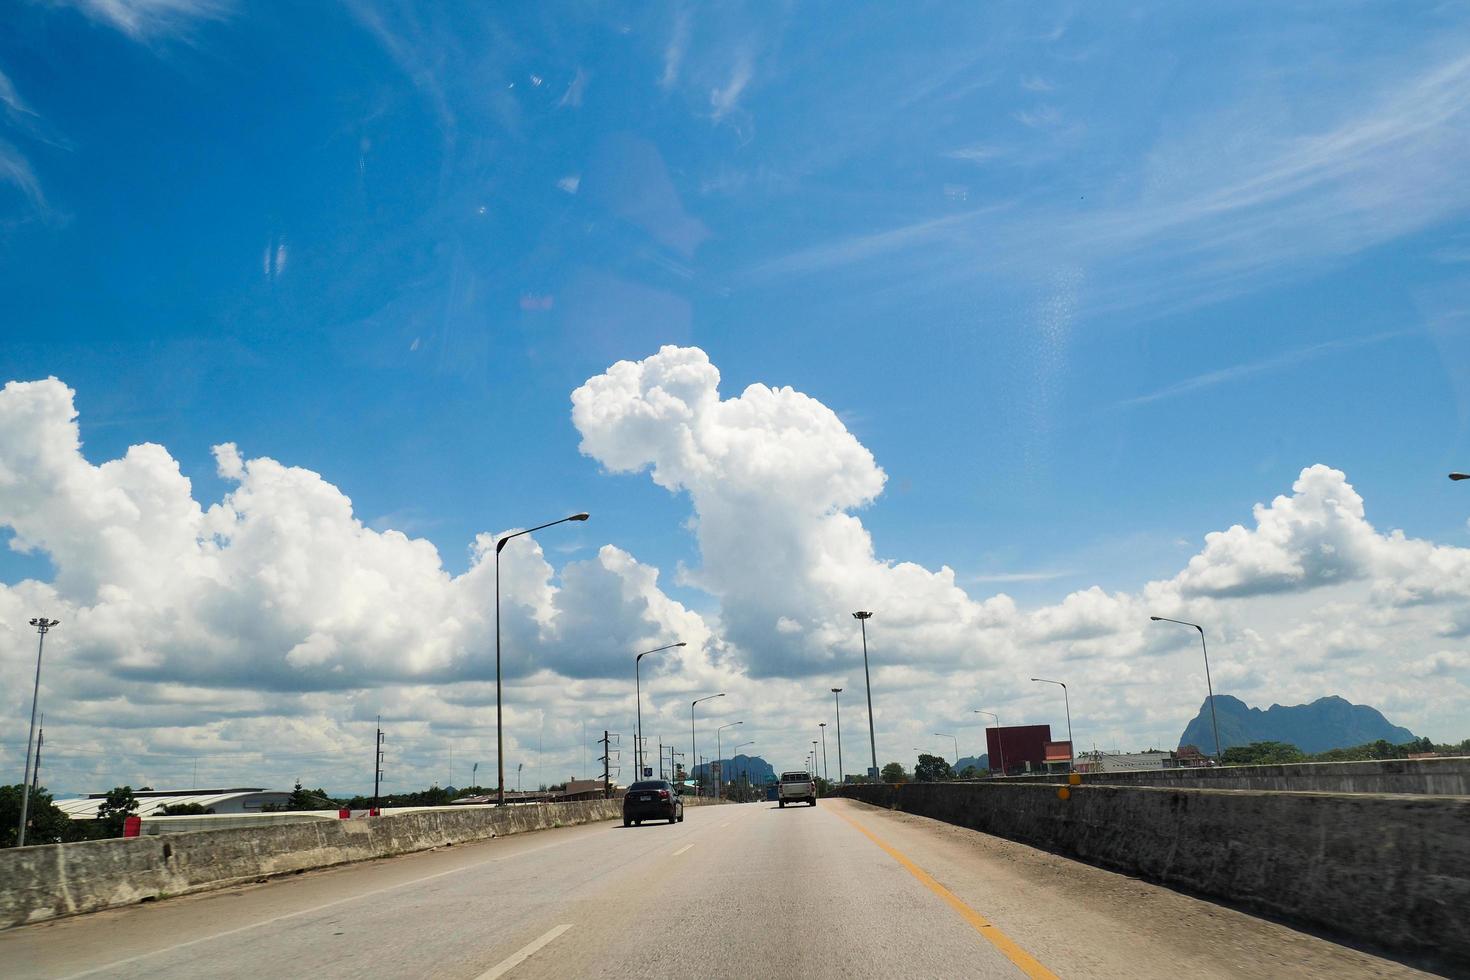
{"type": "Point", "coordinates": [606, 787]}
{"type": "Point", "coordinates": [377, 763]}
{"type": "Point", "coordinates": [606, 760]}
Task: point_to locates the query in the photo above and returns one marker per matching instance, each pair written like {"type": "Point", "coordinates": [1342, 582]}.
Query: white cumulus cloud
{"type": "Point", "coordinates": [215, 628]}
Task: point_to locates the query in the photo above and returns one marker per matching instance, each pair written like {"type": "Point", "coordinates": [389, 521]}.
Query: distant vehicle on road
{"type": "Point", "coordinates": [797, 787]}
{"type": "Point", "coordinates": [652, 799]}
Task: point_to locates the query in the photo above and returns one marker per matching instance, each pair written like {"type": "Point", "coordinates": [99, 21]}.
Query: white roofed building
{"type": "Point", "coordinates": [243, 800]}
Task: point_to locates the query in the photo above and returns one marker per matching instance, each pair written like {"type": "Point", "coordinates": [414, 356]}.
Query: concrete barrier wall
{"type": "Point", "coordinates": [1390, 870]}
{"type": "Point", "coordinates": [1432, 777]}
{"type": "Point", "coordinates": [52, 880]}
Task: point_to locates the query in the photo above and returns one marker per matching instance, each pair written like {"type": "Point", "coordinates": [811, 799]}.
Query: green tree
{"type": "Point", "coordinates": [118, 806]}
{"type": "Point", "coordinates": [184, 810]}
{"type": "Point", "coordinates": [310, 799]}
{"type": "Point", "coordinates": [894, 773]}
{"type": "Point", "coordinates": [970, 772]}
{"type": "Point", "coordinates": [1261, 754]}
{"type": "Point", "coordinates": [45, 824]}
{"type": "Point", "coordinates": [932, 769]}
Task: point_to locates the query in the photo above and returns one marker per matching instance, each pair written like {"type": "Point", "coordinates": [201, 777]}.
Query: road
{"type": "Point", "coordinates": [840, 890]}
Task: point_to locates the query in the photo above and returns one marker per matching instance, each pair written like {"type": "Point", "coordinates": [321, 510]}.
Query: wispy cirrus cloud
{"type": "Point", "coordinates": [1265, 365]}
{"type": "Point", "coordinates": [1213, 223]}
{"type": "Point", "coordinates": [145, 19]}
{"type": "Point", "coordinates": [975, 153]}
{"type": "Point", "coordinates": [674, 51]}
{"type": "Point", "coordinates": [727, 96]}
{"type": "Point", "coordinates": [16, 171]}
{"type": "Point", "coordinates": [859, 248]}
{"type": "Point", "coordinates": [11, 99]}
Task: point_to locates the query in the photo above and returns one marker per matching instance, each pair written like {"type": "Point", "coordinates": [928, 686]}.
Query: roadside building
{"type": "Point", "coordinates": [1189, 756]}
{"type": "Point", "coordinates": [150, 801]}
{"type": "Point", "coordinates": [1022, 747]}
{"type": "Point", "coordinates": [1124, 761]}
{"type": "Point", "coordinates": [1058, 755]}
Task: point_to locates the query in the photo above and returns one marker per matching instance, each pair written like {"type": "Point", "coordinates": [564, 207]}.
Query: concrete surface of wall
{"type": "Point", "coordinates": [1393, 870]}
{"type": "Point", "coordinates": [1432, 777]}
{"type": "Point", "coordinates": [52, 880]}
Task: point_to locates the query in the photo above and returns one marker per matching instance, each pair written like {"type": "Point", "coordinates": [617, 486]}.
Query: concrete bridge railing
{"type": "Point", "coordinates": [1392, 870]}
{"type": "Point", "coordinates": [53, 880]}
{"type": "Point", "coordinates": [1431, 777]}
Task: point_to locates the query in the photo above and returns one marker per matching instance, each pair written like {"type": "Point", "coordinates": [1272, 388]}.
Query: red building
{"type": "Point", "coordinates": [1022, 747]}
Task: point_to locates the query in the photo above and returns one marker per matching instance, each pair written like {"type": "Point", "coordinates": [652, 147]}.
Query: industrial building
{"type": "Point", "coordinates": [242, 800]}
{"type": "Point", "coordinates": [1125, 761]}
{"type": "Point", "coordinates": [1018, 748]}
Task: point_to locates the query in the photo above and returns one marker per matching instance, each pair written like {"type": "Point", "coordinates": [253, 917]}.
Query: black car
{"type": "Point", "coordinates": [652, 799]}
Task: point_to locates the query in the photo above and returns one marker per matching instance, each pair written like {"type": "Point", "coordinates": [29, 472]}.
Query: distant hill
{"type": "Point", "coordinates": [1327, 723]}
{"type": "Point", "coordinates": [759, 769]}
{"type": "Point", "coordinates": [982, 763]}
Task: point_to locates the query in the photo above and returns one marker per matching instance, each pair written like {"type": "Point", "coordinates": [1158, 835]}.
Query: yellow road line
{"type": "Point", "coordinates": [1007, 946]}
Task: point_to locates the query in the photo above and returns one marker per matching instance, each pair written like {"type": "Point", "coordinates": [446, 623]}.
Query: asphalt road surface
{"type": "Point", "coordinates": [839, 890]}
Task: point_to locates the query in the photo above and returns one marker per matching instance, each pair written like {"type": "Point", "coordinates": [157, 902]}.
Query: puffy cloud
{"type": "Point", "coordinates": [274, 613]}
{"type": "Point", "coordinates": [278, 586]}
{"type": "Point", "coordinates": [1318, 536]}
{"type": "Point", "coordinates": [771, 475]}
{"type": "Point", "coordinates": [773, 479]}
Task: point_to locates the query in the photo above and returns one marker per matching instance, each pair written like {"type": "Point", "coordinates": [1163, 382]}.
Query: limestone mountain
{"type": "Point", "coordinates": [1326, 723]}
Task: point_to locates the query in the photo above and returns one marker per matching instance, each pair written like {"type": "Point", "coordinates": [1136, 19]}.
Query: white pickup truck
{"type": "Point", "coordinates": [796, 787]}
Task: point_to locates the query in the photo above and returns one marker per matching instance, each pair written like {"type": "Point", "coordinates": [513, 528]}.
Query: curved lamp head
{"type": "Point", "coordinates": [1460, 476]}
{"type": "Point", "coordinates": [1155, 618]}
{"type": "Point", "coordinates": [579, 517]}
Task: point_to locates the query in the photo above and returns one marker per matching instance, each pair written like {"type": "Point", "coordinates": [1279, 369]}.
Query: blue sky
{"type": "Point", "coordinates": [1088, 282]}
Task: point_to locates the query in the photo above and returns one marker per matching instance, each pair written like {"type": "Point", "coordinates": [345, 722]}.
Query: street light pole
{"type": "Point", "coordinates": [1000, 737]}
{"type": "Point", "coordinates": [638, 695]}
{"type": "Point", "coordinates": [826, 773]}
{"type": "Point", "coordinates": [956, 741]}
{"type": "Point", "coordinates": [43, 626]}
{"type": "Point", "coordinates": [1209, 684]}
{"type": "Point", "coordinates": [735, 750]}
{"type": "Point", "coordinates": [499, 730]}
{"type": "Point", "coordinates": [1071, 746]}
{"type": "Point", "coordinates": [863, 617]}
{"type": "Point", "coordinates": [693, 751]}
{"type": "Point", "coordinates": [836, 700]}
{"type": "Point", "coordinates": [720, 758]}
